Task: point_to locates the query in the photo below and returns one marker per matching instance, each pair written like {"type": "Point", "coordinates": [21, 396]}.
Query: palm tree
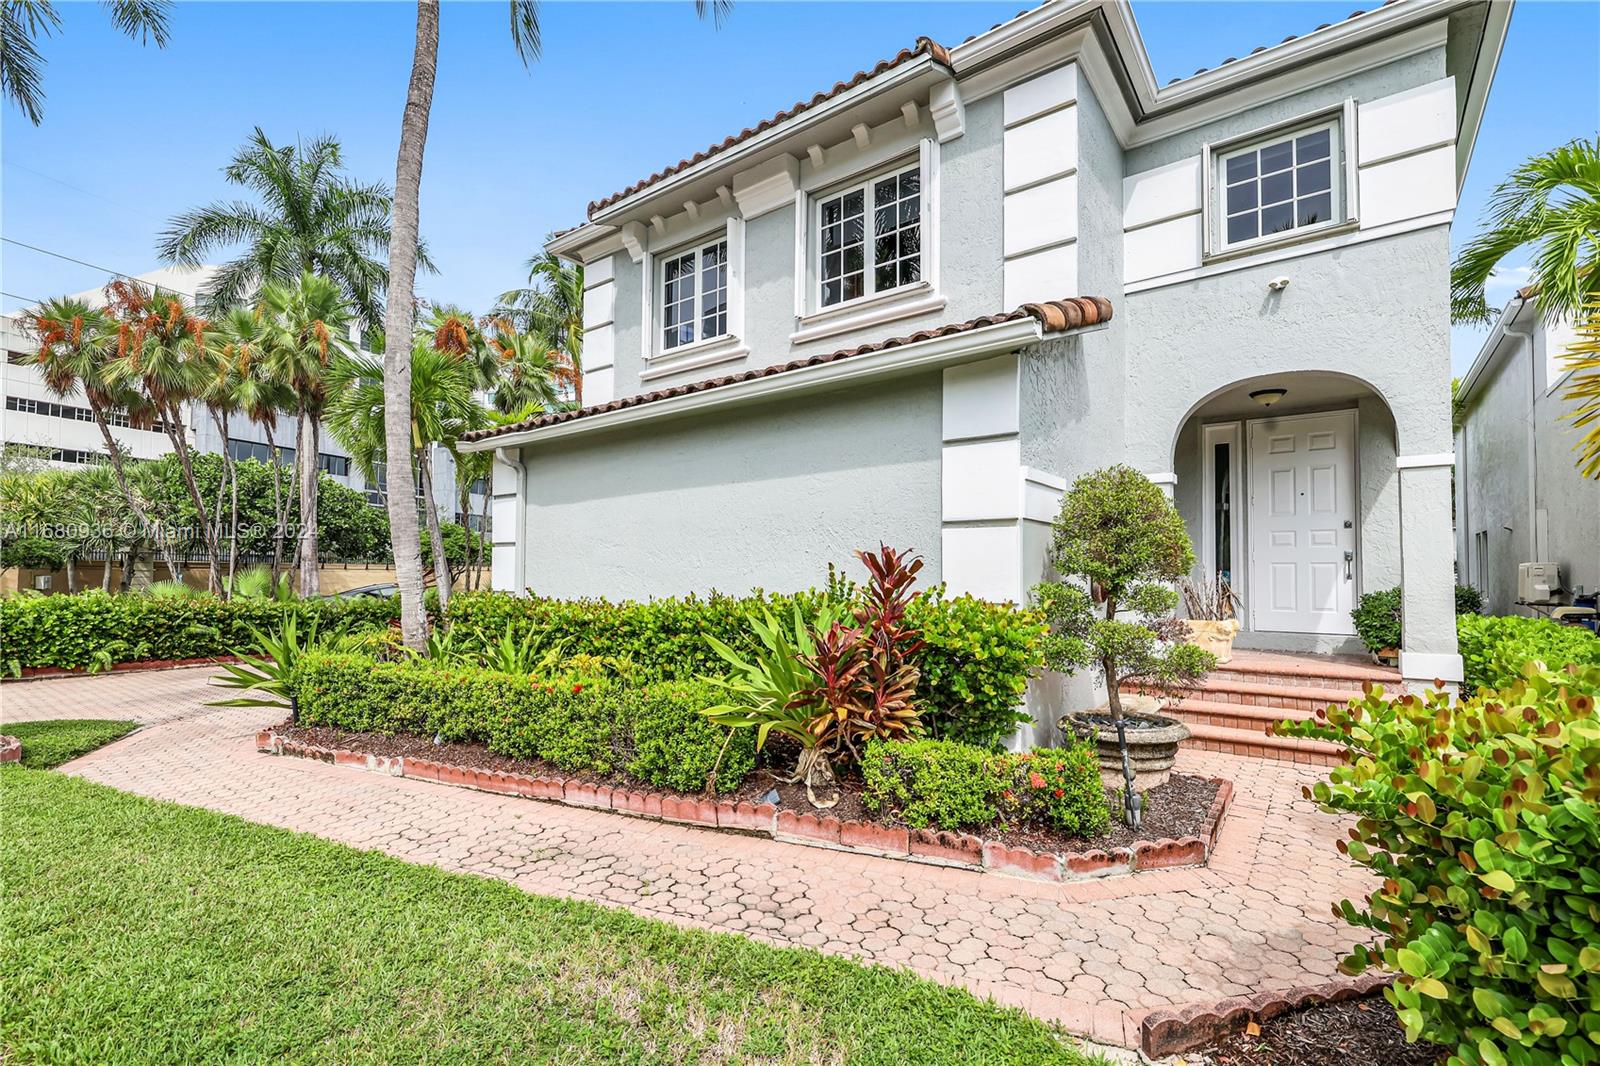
{"type": "Point", "coordinates": [22, 24]}
{"type": "Point", "coordinates": [1551, 202]}
{"type": "Point", "coordinates": [1583, 359]}
{"type": "Point", "coordinates": [551, 307]}
{"type": "Point", "coordinates": [310, 218]}
{"type": "Point", "coordinates": [75, 343]}
{"type": "Point", "coordinates": [309, 326]}
{"type": "Point", "coordinates": [530, 374]}
{"type": "Point", "coordinates": [443, 407]}
{"type": "Point", "coordinates": [162, 350]}
{"type": "Point", "coordinates": [245, 336]}
{"type": "Point", "coordinates": [403, 276]}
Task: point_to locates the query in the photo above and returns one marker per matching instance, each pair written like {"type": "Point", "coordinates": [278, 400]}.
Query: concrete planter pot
{"type": "Point", "coordinates": [1214, 635]}
{"type": "Point", "coordinates": [1153, 741]}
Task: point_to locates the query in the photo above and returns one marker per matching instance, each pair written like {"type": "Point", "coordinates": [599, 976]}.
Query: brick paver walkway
{"type": "Point", "coordinates": [1095, 956]}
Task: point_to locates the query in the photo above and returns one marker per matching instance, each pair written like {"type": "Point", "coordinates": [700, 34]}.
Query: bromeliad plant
{"type": "Point", "coordinates": [831, 686]}
{"type": "Point", "coordinates": [1483, 821]}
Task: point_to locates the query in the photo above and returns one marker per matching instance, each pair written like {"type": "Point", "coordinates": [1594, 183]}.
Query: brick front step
{"type": "Point", "coordinates": [1233, 715]}
{"type": "Point", "coordinates": [1257, 744]}
{"type": "Point", "coordinates": [1259, 694]}
{"type": "Point", "coordinates": [812, 829]}
{"type": "Point", "coordinates": [1295, 671]}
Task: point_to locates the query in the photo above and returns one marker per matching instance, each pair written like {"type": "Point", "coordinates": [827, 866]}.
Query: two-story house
{"type": "Point", "coordinates": [915, 307]}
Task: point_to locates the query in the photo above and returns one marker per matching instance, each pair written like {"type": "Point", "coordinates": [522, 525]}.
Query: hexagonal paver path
{"type": "Point", "coordinates": [1095, 956]}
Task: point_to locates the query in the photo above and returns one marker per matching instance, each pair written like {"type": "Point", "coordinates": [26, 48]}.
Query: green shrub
{"type": "Point", "coordinates": [1377, 615]}
{"type": "Point", "coordinates": [654, 733]}
{"type": "Point", "coordinates": [977, 660]}
{"type": "Point", "coordinates": [1495, 649]}
{"type": "Point", "coordinates": [945, 784]}
{"type": "Point", "coordinates": [933, 783]}
{"type": "Point", "coordinates": [96, 630]}
{"type": "Point", "coordinates": [1059, 787]}
{"type": "Point", "coordinates": [1480, 820]}
{"type": "Point", "coordinates": [974, 668]}
{"type": "Point", "coordinates": [1377, 619]}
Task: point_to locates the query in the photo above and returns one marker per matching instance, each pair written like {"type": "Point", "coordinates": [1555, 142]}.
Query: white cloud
{"type": "Point", "coordinates": [1507, 280]}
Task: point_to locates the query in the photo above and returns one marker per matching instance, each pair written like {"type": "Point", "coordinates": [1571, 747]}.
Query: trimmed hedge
{"type": "Point", "coordinates": [92, 629]}
{"type": "Point", "coordinates": [949, 785]}
{"type": "Point", "coordinates": [1495, 649]}
{"type": "Point", "coordinates": [1377, 615]}
{"type": "Point", "coordinates": [654, 733]}
{"type": "Point", "coordinates": [975, 666]}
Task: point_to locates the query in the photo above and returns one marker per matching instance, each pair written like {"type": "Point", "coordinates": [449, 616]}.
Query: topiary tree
{"type": "Point", "coordinates": [1118, 546]}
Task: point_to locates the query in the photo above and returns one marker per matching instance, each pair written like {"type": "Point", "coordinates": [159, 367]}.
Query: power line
{"type": "Point", "coordinates": [24, 299]}
{"type": "Point", "coordinates": [84, 262]}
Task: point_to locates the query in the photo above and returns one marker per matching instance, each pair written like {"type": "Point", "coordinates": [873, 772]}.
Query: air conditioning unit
{"type": "Point", "coordinates": [1539, 583]}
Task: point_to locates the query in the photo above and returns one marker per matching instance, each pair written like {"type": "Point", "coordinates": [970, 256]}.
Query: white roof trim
{"type": "Point", "coordinates": [1489, 354]}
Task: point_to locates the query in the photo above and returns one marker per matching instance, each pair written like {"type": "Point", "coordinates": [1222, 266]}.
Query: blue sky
{"type": "Point", "coordinates": [132, 136]}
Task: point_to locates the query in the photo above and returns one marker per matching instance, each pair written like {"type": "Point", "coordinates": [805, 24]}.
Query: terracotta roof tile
{"type": "Point", "coordinates": [924, 46]}
{"type": "Point", "coordinates": [1053, 315]}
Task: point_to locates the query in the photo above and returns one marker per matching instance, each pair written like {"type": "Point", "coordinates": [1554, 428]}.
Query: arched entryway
{"type": "Point", "coordinates": [1288, 485]}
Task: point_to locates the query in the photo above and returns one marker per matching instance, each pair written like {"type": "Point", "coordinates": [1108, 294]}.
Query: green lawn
{"type": "Point", "coordinates": [49, 744]}
{"type": "Point", "coordinates": [140, 931]}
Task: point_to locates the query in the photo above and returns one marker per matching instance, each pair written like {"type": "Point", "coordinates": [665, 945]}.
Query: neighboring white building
{"type": "Point", "coordinates": [1520, 497]}
{"type": "Point", "coordinates": [35, 417]}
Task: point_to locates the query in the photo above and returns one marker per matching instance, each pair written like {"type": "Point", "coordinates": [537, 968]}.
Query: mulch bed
{"type": "Point", "coordinates": [1175, 810]}
{"type": "Point", "coordinates": [1361, 1031]}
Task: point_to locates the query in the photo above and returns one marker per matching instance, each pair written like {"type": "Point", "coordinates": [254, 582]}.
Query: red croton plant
{"type": "Point", "coordinates": [836, 685]}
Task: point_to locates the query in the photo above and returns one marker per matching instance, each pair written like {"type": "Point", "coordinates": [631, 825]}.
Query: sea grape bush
{"type": "Point", "coordinates": [1481, 821]}
{"type": "Point", "coordinates": [1495, 650]}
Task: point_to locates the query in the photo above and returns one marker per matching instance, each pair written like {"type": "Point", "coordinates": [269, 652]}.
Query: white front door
{"type": "Point", "coordinates": [1302, 532]}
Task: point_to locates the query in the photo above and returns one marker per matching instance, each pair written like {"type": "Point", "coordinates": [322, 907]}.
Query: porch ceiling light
{"type": "Point", "coordinates": [1268, 397]}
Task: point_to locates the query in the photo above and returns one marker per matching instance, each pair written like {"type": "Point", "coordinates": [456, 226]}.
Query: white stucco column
{"type": "Point", "coordinates": [508, 518]}
{"type": "Point", "coordinates": [1428, 649]}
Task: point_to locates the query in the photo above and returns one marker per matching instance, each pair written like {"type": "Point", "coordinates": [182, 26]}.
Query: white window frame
{"type": "Point", "coordinates": [697, 249]}
{"type": "Point", "coordinates": [1342, 180]}
{"type": "Point", "coordinates": [865, 186]}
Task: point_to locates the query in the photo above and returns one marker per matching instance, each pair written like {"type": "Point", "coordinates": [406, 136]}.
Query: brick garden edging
{"type": "Point", "coordinates": [936, 847]}
{"type": "Point", "coordinates": [48, 673]}
{"type": "Point", "coordinates": [10, 749]}
{"type": "Point", "coordinates": [1170, 1032]}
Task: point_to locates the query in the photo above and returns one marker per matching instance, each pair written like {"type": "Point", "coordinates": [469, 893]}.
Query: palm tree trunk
{"type": "Point", "coordinates": [172, 419]}
{"type": "Point", "coordinates": [105, 574]}
{"type": "Point", "coordinates": [114, 453]}
{"type": "Point", "coordinates": [280, 510]}
{"type": "Point", "coordinates": [403, 533]}
{"type": "Point", "coordinates": [306, 465]}
{"type": "Point", "coordinates": [72, 575]}
{"type": "Point", "coordinates": [483, 530]}
{"type": "Point", "coordinates": [441, 565]}
{"type": "Point", "coordinates": [220, 418]}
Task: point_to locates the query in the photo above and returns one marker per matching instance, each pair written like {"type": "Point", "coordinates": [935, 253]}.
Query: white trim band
{"type": "Point", "coordinates": [1424, 462]}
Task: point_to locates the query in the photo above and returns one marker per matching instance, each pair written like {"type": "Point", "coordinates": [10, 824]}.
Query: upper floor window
{"type": "Point", "coordinates": [1286, 183]}
{"type": "Point", "coordinates": [854, 261]}
{"type": "Point", "coordinates": [694, 295]}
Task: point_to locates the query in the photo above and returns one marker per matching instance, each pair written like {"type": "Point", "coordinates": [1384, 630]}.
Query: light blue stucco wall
{"type": "Point", "coordinates": [761, 496]}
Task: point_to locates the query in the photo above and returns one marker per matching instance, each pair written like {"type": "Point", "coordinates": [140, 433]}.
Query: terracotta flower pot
{"type": "Point", "coordinates": [1152, 741]}
{"type": "Point", "coordinates": [1214, 635]}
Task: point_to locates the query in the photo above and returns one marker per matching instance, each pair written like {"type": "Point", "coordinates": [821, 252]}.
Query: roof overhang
{"type": "Point", "coordinates": [1517, 320]}
{"type": "Point", "coordinates": [1103, 36]}
{"type": "Point", "coordinates": [934, 353]}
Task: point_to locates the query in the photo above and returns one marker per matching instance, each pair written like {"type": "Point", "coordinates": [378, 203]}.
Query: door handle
{"type": "Point", "coordinates": [1349, 566]}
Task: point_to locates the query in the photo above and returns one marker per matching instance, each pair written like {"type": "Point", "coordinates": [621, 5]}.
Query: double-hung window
{"type": "Point", "coordinates": [869, 237]}
{"type": "Point", "coordinates": [694, 295]}
{"type": "Point", "coordinates": [1279, 186]}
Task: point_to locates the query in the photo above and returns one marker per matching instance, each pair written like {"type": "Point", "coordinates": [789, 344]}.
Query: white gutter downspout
{"type": "Point", "coordinates": [1525, 336]}
{"type": "Point", "coordinates": [509, 574]}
